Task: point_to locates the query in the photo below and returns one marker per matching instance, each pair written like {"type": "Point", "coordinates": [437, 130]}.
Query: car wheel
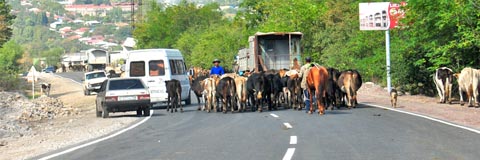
{"type": "Point", "coordinates": [146, 111]}
{"type": "Point", "coordinates": [87, 92]}
{"type": "Point", "coordinates": [139, 112]}
{"type": "Point", "coordinates": [104, 111]}
{"type": "Point", "coordinates": [99, 113]}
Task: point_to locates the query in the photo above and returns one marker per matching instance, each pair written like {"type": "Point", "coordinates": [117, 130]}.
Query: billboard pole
{"type": "Point", "coordinates": [387, 46]}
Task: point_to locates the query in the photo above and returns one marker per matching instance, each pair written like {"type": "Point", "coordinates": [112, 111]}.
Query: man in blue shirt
{"type": "Point", "coordinates": [217, 69]}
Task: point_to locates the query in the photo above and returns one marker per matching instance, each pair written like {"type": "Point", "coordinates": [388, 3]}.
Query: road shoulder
{"type": "Point", "coordinates": [423, 105]}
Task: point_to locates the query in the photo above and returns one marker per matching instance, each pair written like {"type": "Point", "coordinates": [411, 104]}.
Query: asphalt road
{"type": "Point", "coordinates": [361, 133]}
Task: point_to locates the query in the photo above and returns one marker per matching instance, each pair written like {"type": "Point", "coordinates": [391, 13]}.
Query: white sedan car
{"type": "Point", "coordinates": [122, 95]}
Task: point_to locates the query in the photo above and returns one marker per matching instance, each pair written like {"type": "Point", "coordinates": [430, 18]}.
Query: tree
{"type": "Point", "coordinates": [162, 26]}
{"type": "Point", "coordinates": [6, 20]}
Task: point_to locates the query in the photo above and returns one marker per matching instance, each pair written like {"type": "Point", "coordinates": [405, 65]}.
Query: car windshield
{"type": "Point", "coordinates": [95, 75]}
{"type": "Point", "coordinates": [125, 84]}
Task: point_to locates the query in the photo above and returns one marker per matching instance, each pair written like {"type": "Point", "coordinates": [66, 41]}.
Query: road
{"type": "Point", "coordinates": [362, 133]}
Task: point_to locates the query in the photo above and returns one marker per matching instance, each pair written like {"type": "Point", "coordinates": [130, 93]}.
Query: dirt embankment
{"type": "Point", "coordinates": [30, 128]}
{"type": "Point", "coordinates": [429, 106]}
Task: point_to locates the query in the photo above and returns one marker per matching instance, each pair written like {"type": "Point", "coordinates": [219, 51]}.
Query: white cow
{"type": "Point", "coordinates": [468, 83]}
{"type": "Point", "coordinates": [443, 80]}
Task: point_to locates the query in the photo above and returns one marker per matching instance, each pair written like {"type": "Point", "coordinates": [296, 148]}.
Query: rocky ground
{"type": "Point", "coordinates": [429, 106]}
{"type": "Point", "coordinates": [32, 127]}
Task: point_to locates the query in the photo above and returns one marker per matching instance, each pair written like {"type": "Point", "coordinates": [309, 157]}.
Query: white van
{"type": "Point", "coordinates": [155, 66]}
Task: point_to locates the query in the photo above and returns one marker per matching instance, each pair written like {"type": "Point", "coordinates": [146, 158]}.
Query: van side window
{"type": "Point", "coordinates": [137, 69]}
{"type": "Point", "coordinates": [177, 67]}
{"type": "Point", "coordinates": [156, 68]}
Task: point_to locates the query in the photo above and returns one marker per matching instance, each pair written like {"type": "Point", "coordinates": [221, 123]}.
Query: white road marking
{"type": "Point", "coordinates": [289, 154]}
{"type": "Point", "coordinates": [426, 117]}
{"type": "Point", "coordinates": [98, 140]}
{"type": "Point", "coordinates": [287, 125]}
{"type": "Point", "coordinates": [158, 141]}
{"type": "Point", "coordinates": [293, 139]}
{"type": "Point", "coordinates": [274, 115]}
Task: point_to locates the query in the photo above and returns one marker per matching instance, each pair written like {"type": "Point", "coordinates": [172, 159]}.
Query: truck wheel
{"type": "Point", "coordinates": [146, 111]}
{"type": "Point", "coordinates": [99, 113]}
{"type": "Point", "coordinates": [139, 112]}
{"type": "Point", "coordinates": [105, 112]}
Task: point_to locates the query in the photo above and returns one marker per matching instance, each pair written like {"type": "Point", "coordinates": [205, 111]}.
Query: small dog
{"type": "Point", "coordinates": [393, 97]}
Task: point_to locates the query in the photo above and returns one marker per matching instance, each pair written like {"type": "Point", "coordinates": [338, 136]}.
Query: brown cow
{"type": "Point", "coordinates": [317, 81]}
{"type": "Point", "coordinates": [349, 82]}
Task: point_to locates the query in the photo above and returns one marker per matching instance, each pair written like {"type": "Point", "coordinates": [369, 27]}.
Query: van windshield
{"type": "Point", "coordinates": [156, 68]}
{"type": "Point", "coordinates": [95, 75]}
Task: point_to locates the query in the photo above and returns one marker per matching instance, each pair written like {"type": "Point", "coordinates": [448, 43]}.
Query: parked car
{"type": "Point", "coordinates": [122, 95]}
{"type": "Point", "coordinates": [49, 69]}
{"type": "Point", "coordinates": [92, 81]}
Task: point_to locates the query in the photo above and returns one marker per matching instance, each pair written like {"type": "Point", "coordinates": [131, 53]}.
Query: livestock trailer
{"type": "Point", "coordinates": [273, 50]}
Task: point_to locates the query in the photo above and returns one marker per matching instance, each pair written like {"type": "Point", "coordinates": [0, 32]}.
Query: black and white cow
{"type": "Point", "coordinates": [443, 80]}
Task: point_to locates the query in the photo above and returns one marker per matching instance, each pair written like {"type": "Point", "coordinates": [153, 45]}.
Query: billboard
{"type": "Point", "coordinates": [379, 15]}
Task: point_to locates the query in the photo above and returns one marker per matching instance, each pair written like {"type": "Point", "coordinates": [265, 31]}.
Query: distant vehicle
{"type": "Point", "coordinates": [97, 59]}
{"type": "Point", "coordinates": [122, 95]}
{"type": "Point", "coordinates": [155, 66]}
{"type": "Point", "coordinates": [92, 81]}
{"type": "Point", "coordinates": [49, 69]}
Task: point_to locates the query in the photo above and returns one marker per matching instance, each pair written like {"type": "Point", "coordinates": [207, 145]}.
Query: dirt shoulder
{"type": "Point", "coordinates": [63, 130]}
{"type": "Point", "coordinates": [429, 106]}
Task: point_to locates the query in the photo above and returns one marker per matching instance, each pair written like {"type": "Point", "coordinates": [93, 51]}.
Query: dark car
{"type": "Point", "coordinates": [49, 69]}
{"type": "Point", "coordinates": [122, 95]}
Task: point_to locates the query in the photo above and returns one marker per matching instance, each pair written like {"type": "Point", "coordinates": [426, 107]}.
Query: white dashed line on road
{"type": "Point", "coordinates": [287, 125]}
{"type": "Point", "coordinates": [293, 139]}
{"type": "Point", "coordinates": [289, 154]}
{"type": "Point", "coordinates": [274, 115]}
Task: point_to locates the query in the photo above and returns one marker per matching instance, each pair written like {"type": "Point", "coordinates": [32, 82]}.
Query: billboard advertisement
{"type": "Point", "coordinates": [380, 15]}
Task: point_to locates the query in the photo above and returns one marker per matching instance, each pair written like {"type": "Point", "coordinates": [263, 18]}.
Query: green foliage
{"type": "Point", "coordinates": [161, 27]}
{"type": "Point", "coordinates": [6, 20]}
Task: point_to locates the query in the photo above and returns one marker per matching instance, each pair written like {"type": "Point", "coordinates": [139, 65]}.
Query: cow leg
{"type": "Point", "coordinates": [199, 103]}
{"type": "Point", "coordinates": [449, 92]}
{"type": "Point", "coordinates": [180, 101]}
{"type": "Point", "coordinates": [439, 90]}
{"type": "Point", "coordinates": [461, 96]}
{"type": "Point", "coordinates": [470, 95]}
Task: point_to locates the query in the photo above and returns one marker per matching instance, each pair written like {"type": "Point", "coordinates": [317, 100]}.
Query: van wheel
{"type": "Point", "coordinates": [105, 113]}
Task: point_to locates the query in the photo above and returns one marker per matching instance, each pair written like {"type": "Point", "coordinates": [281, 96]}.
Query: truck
{"type": "Point", "coordinates": [271, 51]}
{"type": "Point", "coordinates": [97, 59]}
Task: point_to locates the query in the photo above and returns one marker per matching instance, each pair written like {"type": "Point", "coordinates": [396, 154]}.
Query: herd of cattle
{"type": "Point", "coordinates": [270, 90]}
{"type": "Point", "coordinates": [468, 85]}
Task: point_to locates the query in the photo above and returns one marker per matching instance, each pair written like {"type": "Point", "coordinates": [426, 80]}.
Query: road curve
{"type": "Point", "coordinates": [362, 133]}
